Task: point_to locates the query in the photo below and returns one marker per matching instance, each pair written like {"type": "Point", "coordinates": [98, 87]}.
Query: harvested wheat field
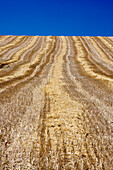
{"type": "Point", "coordinates": [56, 103]}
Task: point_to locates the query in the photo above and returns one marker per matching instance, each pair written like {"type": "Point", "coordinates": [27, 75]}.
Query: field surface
{"type": "Point", "coordinates": [56, 103]}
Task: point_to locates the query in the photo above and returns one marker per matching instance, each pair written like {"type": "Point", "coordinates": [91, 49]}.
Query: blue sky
{"type": "Point", "coordinates": [56, 17]}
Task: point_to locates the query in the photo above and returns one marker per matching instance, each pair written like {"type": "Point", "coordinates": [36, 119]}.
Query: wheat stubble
{"type": "Point", "coordinates": [56, 102]}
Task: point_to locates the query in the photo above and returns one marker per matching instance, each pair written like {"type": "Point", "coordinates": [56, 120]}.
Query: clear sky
{"type": "Point", "coordinates": [56, 17]}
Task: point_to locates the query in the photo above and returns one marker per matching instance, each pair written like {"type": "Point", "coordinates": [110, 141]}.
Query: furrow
{"type": "Point", "coordinates": [8, 52]}
{"type": "Point", "coordinates": [4, 39]}
{"type": "Point", "coordinates": [33, 68]}
{"type": "Point", "coordinates": [103, 49]}
{"type": "Point", "coordinates": [16, 56]}
{"type": "Point", "coordinates": [7, 41]}
{"type": "Point", "coordinates": [28, 110]}
{"type": "Point", "coordinates": [98, 57]}
{"type": "Point", "coordinates": [24, 58]}
{"type": "Point", "coordinates": [22, 67]}
{"type": "Point", "coordinates": [94, 67]}
{"type": "Point", "coordinates": [85, 116]}
{"type": "Point", "coordinates": [107, 41]}
{"type": "Point", "coordinates": [13, 42]}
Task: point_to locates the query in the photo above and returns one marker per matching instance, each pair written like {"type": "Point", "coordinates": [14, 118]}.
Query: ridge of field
{"type": "Point", "coordinates": [56, 102]}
